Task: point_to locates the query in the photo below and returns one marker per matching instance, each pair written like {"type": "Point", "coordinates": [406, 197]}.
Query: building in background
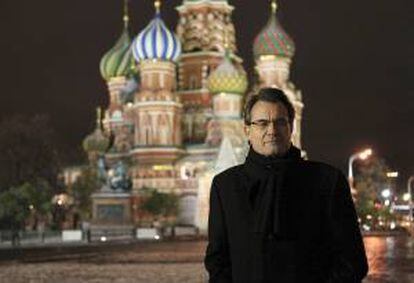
{"type": "Point", "coordinates": [174, 118]}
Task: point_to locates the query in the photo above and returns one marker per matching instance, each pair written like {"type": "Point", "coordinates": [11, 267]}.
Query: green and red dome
{"type": "Point", "coordinates": [273, 39]}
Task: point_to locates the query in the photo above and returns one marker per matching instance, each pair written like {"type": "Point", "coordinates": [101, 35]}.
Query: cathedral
{"type": "Point", "coordinates": [175, 106]}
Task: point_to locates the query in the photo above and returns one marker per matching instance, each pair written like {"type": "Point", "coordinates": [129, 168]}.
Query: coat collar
{"type": "Point", "coordinates": [258, 166]}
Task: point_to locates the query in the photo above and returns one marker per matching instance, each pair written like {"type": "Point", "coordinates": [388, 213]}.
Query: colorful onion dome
{"type": "Point", "coordinates": [156, 41]}
{"type": "Point", "coordinates": [273, 39]}
{"type": "Point", "coordinates": [226, 78]}
{"type": "Point", "coordinates": [118, 61]}
{"type": "Point", "coordinates": [96, 141]}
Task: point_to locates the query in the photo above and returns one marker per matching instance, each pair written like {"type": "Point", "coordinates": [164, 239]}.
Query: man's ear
{"type": "Point", "coordinates": [291, 128]}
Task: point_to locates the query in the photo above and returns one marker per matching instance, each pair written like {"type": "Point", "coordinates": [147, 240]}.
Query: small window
{"type": "Point", "coordinates": [192, 82]}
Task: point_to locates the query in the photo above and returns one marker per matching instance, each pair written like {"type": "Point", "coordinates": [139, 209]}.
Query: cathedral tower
{"type": "Point", "coordinates": [273, 51]}
{"type": "Point", "coordinates": [228, 83]}
{"type": "Point", "coordinates": [117, 69]}
{"type": "Point", "coordinates": [157, 108]}
{"type": "Point", "coordinates": [202, 27]}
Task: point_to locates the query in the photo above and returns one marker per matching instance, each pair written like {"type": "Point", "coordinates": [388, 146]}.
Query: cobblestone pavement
{"type": "Point", "coordinates": [391, 260]}
{"type": "Point", "coordinates": [103, 273]}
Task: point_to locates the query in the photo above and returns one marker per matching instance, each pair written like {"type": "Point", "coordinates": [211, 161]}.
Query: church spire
{"type": "Point", "coordinates": [157, 5]}
{"type": "Point", "coordinates": [126, 17]}
{"type": "Point", "coordinates": [227, 50]}
{"type": "Point", "coordinates": [98, 117]}
{"type": "Point", "coordinates": [273, 6]}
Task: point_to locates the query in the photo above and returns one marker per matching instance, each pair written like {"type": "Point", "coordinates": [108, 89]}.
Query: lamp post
{"type": "Point", "coordinates": [359, 155]}
{"type": "Point", "coordinates": [410, 199]}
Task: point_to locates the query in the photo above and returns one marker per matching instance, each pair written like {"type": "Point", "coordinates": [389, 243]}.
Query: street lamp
{"type": "Point", "coordinates": [359, 155]}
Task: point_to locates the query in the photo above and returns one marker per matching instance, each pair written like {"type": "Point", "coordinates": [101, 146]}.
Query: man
{"type": "Point", "coordinates": [277, 217]}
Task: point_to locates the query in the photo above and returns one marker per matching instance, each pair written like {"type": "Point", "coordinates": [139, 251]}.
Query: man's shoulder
{"type": "Point", "coordinates": [321, 168]}
{"type": "Point", "coordinates": [232, 172]}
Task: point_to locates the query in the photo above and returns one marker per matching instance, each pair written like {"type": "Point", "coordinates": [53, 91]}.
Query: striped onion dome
{"type": "Point", "coordinates": [118, 61]}
{"type": "Point", "coordinates": [156, 41]}
{"type": "Point", "coordinates": [273, 39]}
{"type": "Point", "coordinates": [226, 78]}
{"type": "Point", "coordinates": [96, 141]}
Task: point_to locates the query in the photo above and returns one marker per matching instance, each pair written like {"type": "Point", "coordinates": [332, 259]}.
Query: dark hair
{"type": "Point", "coordinates": [273, 95]}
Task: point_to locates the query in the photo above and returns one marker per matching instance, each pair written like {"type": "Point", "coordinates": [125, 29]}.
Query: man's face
{"type": "Point", "coordinates": [269, 132]}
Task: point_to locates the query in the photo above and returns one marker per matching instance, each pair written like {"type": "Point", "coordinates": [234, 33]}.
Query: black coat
{"type": "Point", "coordinates": [321, 242]}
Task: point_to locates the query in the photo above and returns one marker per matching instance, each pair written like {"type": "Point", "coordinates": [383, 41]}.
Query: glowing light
{"type": "Point", "coordinates": [157, 237]}
{"type": "Point", "coordinates": [103, 239]}
{"type": "Point", "coordinates": [162, 167]}
{"type": "Point", "coordinates": [392, 174]}
{"type": "Point", "coordinates": [366, 227]}
{"type": "Point", "coordinates": [386, 193]}
{"type": "Point", "coordinates": [406, 197]}
{"type": "Point", "coordinates": [183, 172]}
{"type": "Point", "coordinates": [365, 154]}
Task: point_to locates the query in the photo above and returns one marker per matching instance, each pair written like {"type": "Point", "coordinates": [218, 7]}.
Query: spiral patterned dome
{"type": "Point", "coordinates": [118, 61]}
{"type": "Point", "coordinates": [273, 39]}
{"type": "Point", "coordinates": [156, 41]}
{"type": "Point", "coordinates": [226, 78]}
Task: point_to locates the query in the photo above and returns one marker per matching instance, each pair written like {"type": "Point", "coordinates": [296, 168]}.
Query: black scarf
{"type": "Point", "coordinates": [266, 191]}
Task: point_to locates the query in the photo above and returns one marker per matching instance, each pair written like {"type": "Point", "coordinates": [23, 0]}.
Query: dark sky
{"type": "Point", "coordinates": [353, 63]}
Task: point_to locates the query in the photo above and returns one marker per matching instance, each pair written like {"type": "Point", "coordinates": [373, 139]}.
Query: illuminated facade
{"type": "Point", "coordinates": [176, 101]}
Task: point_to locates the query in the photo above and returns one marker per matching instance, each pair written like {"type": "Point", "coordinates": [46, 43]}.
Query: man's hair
{"type": "Point", "coordinates": [273, 95]}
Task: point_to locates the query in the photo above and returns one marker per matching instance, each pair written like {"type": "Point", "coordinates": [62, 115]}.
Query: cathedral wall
{"type": "Point", "coordinates": [156, 75]}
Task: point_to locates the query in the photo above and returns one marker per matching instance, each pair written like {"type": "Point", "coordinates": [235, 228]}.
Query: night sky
{"type": "Point", "coordinates": [353, 63]}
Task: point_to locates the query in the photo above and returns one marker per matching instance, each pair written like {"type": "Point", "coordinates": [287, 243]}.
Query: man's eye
{"type": "Point", "coordinates": [281, 122]}
{"type": "Point", "coordinates": [262, 123]}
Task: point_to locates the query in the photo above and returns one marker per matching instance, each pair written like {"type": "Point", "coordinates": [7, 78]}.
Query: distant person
{"type": "Point", "coordinates": [86, 229]}
{"type": "Point", "coordinates": [277, 217]}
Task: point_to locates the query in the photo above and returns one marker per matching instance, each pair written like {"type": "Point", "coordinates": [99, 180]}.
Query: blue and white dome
{"type": "Point", "coordinates": [156, 41]}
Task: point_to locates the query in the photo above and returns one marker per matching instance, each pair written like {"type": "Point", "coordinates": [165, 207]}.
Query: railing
{"type": "Point", "coordinates": [104, 235]}
{"type": "Point", "coordinates": [98, 234]}
{"type": "Point", "coordinates": [8, 237]}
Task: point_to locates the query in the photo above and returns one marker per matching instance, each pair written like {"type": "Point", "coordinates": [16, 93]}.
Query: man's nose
{"type": "Point", "coordinates": [271, 128]}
